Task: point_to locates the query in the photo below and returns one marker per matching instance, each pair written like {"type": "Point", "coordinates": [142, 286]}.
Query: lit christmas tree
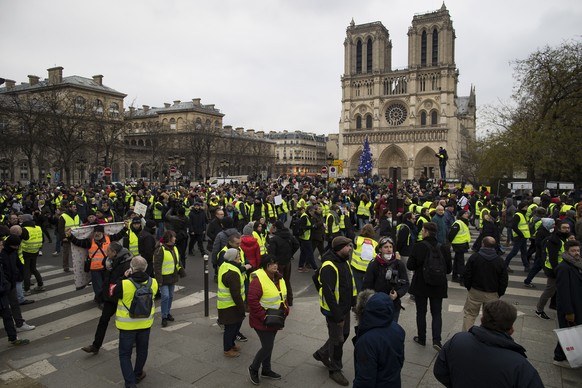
{"type": "Point", "coordinates": [365, 167]}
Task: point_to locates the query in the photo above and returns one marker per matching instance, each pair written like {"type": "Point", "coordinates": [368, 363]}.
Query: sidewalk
{"type": "Point", "coordinates": [189, 353]}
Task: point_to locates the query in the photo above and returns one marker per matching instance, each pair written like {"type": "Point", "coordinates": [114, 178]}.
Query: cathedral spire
{"type": "Point", "coordinates": [443, 7]}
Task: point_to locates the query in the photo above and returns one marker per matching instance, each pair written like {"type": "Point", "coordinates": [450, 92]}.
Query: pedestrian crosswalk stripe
{"type": "Point", "coordinates": [57, 306]}
{"type": "Point", "coordinates": [509, 291]}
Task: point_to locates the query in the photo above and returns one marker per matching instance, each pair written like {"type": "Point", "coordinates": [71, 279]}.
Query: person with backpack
{"type": "Point", "coordinates": [283, 245]}
{"type": "Point", "coordinates": [116, 264]}
{"type": "Point", "coordinates": [134, 318]}
{"type": "Point", "coordinates": [431, 262]}
{"type": "Point", "coordinates": [485, 277]}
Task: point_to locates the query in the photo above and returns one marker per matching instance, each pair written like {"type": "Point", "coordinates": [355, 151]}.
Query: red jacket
{"type": "Point", "coordinates": [252, 251]}
{"type": "Point", "coordinates": [256, 311]}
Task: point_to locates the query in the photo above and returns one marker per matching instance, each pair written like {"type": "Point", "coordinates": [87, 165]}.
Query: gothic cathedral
{"type": "Point", "coordinates": [409, 113]}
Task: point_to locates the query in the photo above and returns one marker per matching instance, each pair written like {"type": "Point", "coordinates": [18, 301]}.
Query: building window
{"type": "Point", "coordinates": [435, 47]}
{"type": "Point", "coordinates": [433, 118]}
{"type": "Point", "coordinates": [359, 57]}
{"type": "Point", "coordinates": [423, 49]}
{"type": "Point", "coordinates": [79, 104]}
{"type": "Point", "coordinates": [173, 123]}
{"type": "Point", "coordinates": [98, 108]}
{"type": "Point", "coordinates": [423, 119]}
{"type": "Point", "coordinates": [23, 170]}
{"type": "Point", "coordinates": [368, 121]}
{"type": "Point", "coordinates": [114, 109]}
{"type": "Point", "coordinates": [369, 56]}
{"type": "Point", "coordinates": [358, 122]}
{"type": "Point", "coordinates": [396, 114]}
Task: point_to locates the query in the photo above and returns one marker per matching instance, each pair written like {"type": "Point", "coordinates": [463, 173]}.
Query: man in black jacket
{"type": "Point", "coordinates": [283, 245]}
{"type": "Point", "coordinates": [487, 356]}
{"type": "Point", "coordinates": [147, 245]}
{"type": "Point", "coordinates": [337, 295]}
{"type": "Point", "coordinates": [422, 291]}
{"type": "Point", "coordinates": [485, 278]}
{"type": "Point", "coordinates": [198, 221]}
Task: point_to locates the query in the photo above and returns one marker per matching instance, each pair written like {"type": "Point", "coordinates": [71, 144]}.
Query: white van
{"type": "Point", "coordinates": [217, 181]}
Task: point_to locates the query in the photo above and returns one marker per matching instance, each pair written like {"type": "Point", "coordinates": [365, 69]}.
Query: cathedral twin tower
{"type": "Point", "coordinates": [409, 113]}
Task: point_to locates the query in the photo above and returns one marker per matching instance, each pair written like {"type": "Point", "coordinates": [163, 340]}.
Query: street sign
{"type": "Point", "coordinates": [332, 171]}
{"type": "Point", "coordinates": [173, 169]}
{"type": "Point", "coordinates": [324, 170]}
{"type": "Point", "coordinates": [107, 171]}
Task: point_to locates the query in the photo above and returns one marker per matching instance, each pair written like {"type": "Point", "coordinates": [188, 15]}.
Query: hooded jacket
{"type": "Point", "coordinates": [283, 245]}
{"type": "Point", "coordinates": [486, 271]}
{"type": "Point", "coordinates": [375, 278]}
{"type": "Point", "coordinates": [115, 270]}
{"type": "Point", "coordinates": [418, 286]}
{"type": "Point", "coordinates": [252, 250]}
{"type": "Point", "coordinates": [220, 242]}
{"type": "Point", "coordinates": [467, 359]}
{"type": "Point", "coordinates": [378, 346]}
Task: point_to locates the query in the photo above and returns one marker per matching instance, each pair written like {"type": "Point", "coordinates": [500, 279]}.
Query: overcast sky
{"type": "Point", "coordinates": [266, 64]}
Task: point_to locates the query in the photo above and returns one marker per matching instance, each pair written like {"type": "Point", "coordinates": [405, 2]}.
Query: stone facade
{"type": "Point", "coordinates": [298, 153]}
{"type": "Point", "coordinates": [409, 113]}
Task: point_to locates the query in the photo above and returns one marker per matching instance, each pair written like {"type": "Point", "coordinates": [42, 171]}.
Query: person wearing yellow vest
{"type": "Point", "coordinates": [363, 253]}
{"type": "Point", "coordinates": [131, 240]}
{"type": "Point", "coordinates": [554, 249]}
{"type": "Point", "coordinates": [521, 234]}
{"type": "Point", "coordinates": [69, 219]}
{"type": "Point", "coordinates": [134, 330]}
{"type": "Point", "coordinates": [158, 211]}
{"type": "Point", "coordinates": [260, 235]}
{"type": "Point", "coordinates": [267, 291]}
{"type": "Point", "coordinates": [337, 295]}
{"type": "Point", "coordinates": [32, 239]}
{"type": "Point", "coordinates": [422, 218]}
{"type": "Point", "coordinates": [363, 213]}
{"type": "Point", "coordinates": [168, 272]}
{"type": "Point", "coordinates": [306, 248]}
{"type": "Point", "coordinates": [230, 300]}
{"type": "Point", "coordinates": [460, 237]}
{"type": "Point", "coordinates": [332, 224]}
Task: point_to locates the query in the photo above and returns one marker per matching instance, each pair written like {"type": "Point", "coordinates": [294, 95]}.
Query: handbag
{"type": "Point", "coordinates": [275, 318]}
{"type": "Point", "coordinates": [571, 340]}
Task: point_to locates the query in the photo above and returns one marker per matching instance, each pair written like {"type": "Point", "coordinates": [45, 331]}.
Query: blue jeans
{"type": "Point", "coordinates": [306, 254]}
{"type": "Point", "coordinates": [159, 229]}
{"type": "Point", "coordinates": [126, 339]}
{"type": "Point", "coordinates": [443, 168]}
{"type": "Point", "coordinates": [20, 292]}
{"type": "Point", "coordinates": [97, 282]}
{"type": "Point", "coordinates": [519, 245]}
{"type": "Point", "coordinates": [167, 291]}
{"type": "Point", "coordinates": [57, 242]}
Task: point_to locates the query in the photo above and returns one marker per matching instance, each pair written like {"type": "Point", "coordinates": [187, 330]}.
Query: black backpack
{"type": "Point", "coordinates": [143, 300]}
{"type": "Point", "coordinates": [434, 269]}
{"type": "Point", "coordinates": [295, 226]}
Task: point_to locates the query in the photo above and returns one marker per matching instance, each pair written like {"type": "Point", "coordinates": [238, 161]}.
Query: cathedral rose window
{"type": "Point", "coordinates": [396, 114]}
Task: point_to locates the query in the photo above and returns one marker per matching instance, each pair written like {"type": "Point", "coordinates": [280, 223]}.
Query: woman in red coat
{"type": "Point", "coordinates": [250, 246]}
{"type": "Point", "coordinates": [267, 290]}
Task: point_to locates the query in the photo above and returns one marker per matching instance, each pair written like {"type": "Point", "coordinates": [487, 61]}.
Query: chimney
{"type": "Point", "coordinates": [167, 104]}
{"type": "Point", "coordinates": [131, 111]}
{"type": "Point", "coordinates": [9, 84]}
{"type": "Point", "coordinates": [145, 108]}
{"type": "Point", "coordinates": [240, 130]}
{"type": "Point", "coordinates": [33, 79]}
{"type": "Point", "coordinates": [196, 101]}
{"type": "Point", "coordinates": [55, 75]}
{"type": "Point", "coordinates": [98, 79]}
{"type": "Point", "coordinates": [176, 102]}
{"type": "Point", "coordinates": [261, 134]}
{"type": "Point", "coordinates": [228, 128]}
{"type": "Point", "coordinates": [251, 132]}
{"type": "Point", "coordinates": [211, 106]}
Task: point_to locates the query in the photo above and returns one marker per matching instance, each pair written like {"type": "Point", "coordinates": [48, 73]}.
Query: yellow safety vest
{"type": "Point", "coordinates": [133, 242]}
{"type": "Point", "coordinates": [482, 214]}
{"type": "Point", "coordinates": [335, 228]}
{"type": "Point", "coordinates": [262, 240]}
{"type": "Point", "coordinates": [547, 264]}
{"type": "Point", "coordinates": [240, 251]}
{"type": "Point", "coordinates": [238, 205]}
{"type": "Point", "coordinates": [342, 221]}
{"type": "Point", "coordinates": [364, 209]}
{"type": "Point", "coordinates": [272, 296]}
{"type": "Point", "coordinates": [522, 226]}
{"type": "Point", "coordinates": [398, 228]}
{"type": "Point", "coordinates": [367, 246]}
{"type": "Point", "coordinates": [530, 210]}
{"type": "Point", "coordinates": [157, 213]}
{"type": "Point", "coordinates": [20, 256]}
{"type": "Point", "coordinates": [322, 302]}
{"type": "Point", "coordinates": [478, 205]}
{"type": "Point", "coordinates": [168, 265]}
{"type": "Point", "coordinates": [307, 233]}
{"type": "Point", "coordinates": [324, 210]}
{"type": "Point", "coordinates": [34, 242]}
{"type": "Point", "coordinates": [70, 222]}
{"type": "Point", "coordinates": [224, 299]}
{"type": "Point", "coordinates": [463, 235]}
{"type": "Point", "coordinates": [565, 208]}
{"type": "Point", "coordinates": [302, 203]}
{"type": "Point", "coordinates": [122, 319]}
{"type": "Point", "coordinates": [271, 210]}
{"type": "Point", "coordinates": [423, 219]}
